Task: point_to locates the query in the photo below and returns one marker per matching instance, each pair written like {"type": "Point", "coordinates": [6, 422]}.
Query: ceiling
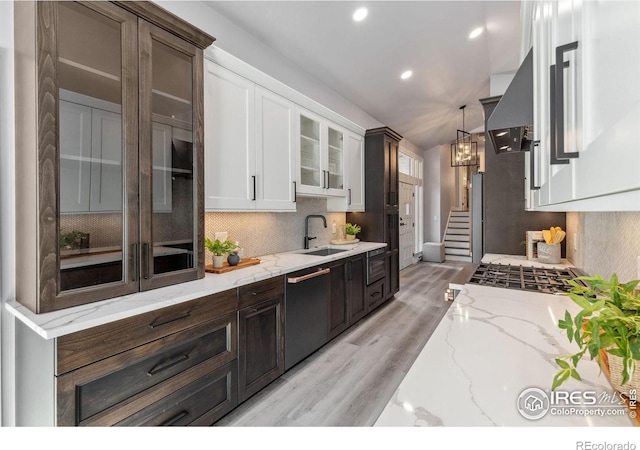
{"type": "Point", "coordinates": [362, 61]}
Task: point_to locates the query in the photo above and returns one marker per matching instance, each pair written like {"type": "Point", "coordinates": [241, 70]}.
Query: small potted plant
{"type": "Point", "coordinates": [219, 249]}
{"type": "Point", "coordinates": [607, 327]}
{"type": "Point", "coordinates": [351, 230]}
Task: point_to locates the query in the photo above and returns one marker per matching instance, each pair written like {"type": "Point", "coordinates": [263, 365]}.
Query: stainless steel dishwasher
{"type": "Point", "coordinates": [306, 313]}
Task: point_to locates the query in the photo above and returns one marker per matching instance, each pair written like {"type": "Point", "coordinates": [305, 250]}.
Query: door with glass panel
{"type": "Point", "coordinates": [312, 171]}
{"type": "Point", "coordinates": [96, 74]}
{"type": "Point", "coordinates": [335, 159]}
{"type": "Point", "coordinates": [170, 70]}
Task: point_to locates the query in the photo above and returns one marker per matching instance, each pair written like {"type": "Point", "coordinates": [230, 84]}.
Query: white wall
{"type": "Point", "coordinates": [7, 215]}
{"type": "Point", "coordinates": [431, 180]}
{"type": "Point", "coordinates": [243, 45]}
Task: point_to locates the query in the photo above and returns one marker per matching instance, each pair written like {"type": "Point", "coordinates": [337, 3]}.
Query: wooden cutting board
{"type": "Point", "coordinates": [227, 268]}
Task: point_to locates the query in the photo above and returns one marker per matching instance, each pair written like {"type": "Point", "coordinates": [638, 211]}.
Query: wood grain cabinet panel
{"type": "Point", "coordinates": [199, 403]}
{"type": "Point", "coordinates": [356, 279]}
{"type": "Point", "coordinates": [147, 65]}
{"type": "Point", "coordinates": [104, 392]}
{"type": "Point", "coordinates": [260, 346]}
{"type": "Point", "coordinates": [85, 347]}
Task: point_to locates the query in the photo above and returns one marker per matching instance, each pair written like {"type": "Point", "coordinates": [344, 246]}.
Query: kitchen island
{"type": "Point", "coordinates": [492, 345]}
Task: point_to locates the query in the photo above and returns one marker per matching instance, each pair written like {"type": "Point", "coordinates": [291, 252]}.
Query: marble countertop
{"type": "Point", "coordinates": [492, 345]}
{"type": "Point", "coordinates": [66, 321]}
{"type": "Point", "coordinates": [517, 260]}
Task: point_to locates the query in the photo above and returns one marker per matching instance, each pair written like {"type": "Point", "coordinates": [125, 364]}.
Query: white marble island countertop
{"type": "Point", "coordinates": [59, 323]}
{"type": "Point", "coordinates": [491, 346]}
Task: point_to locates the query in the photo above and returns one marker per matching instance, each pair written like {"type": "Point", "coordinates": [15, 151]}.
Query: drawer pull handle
{"type": "Point", "coordinates": [181, 415]}
{"type": "Point", "coordinates": [167, 364]}
{"type": "Point", "coordinates": [375, 294]}
{"type": "Point", "coordinates": [264, 291]}
{"type": "Point", "coordinates": [294, 280]}
{"type": "Point", "coordinates": [165, 322]}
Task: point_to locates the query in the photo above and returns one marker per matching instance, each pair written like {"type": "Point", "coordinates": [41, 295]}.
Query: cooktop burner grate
{"type": "Point", "coordinates": [536, 279]}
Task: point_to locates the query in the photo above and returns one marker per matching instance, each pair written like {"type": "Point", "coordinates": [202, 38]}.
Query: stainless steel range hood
{"type": "Point", "coordinates": [510, 126]}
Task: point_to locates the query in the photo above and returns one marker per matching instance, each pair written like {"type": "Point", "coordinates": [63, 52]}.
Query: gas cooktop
{"type": "Point", "coordinates": [536, 279]}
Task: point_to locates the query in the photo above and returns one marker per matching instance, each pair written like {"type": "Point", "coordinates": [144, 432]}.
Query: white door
{"type": "Point", "coordinates": [106, 167]}
{"type": "Point", "coordinates": [275, 150]}
{"type": "Point", "coordinates": [229, 140]}
{"type": "Point", "coordinates": [355, 167]}
{"type": "Point", "coordinates": [75, 157]}
{"type": "Point", "coordinates": [407, 224]}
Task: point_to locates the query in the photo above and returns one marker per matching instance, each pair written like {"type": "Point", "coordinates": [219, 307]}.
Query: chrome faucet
{"type": "Point", "coordinates": [306, 228]}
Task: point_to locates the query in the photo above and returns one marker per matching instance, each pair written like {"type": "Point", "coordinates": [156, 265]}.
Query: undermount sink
{"type": "Point", "coordinates": [325, 252]}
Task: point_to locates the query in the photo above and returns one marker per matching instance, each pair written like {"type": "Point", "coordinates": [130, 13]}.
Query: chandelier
{"type": "Point", "coordinates": [464, 152]}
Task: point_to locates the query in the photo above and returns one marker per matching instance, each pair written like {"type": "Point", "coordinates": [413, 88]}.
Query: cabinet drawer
{"type": "Point", "coordinates": [262, 290]}
{"type": "Point", "coordinates": [376, 294]}
{"type": "Point", "coordinates": [201, 402]}
{"type": "Point", "coordinates": [88, 346]}
{"type": "Point", "coordinates": [88, 391]}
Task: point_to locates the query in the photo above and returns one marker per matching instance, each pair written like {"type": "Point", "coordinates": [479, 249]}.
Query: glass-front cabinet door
{"type": "Point", "coordinates": [97, 86]}
{"type": "Point", "coordinates": [321, 145]}
{"type": "Point", "coordinates": [335, 158]}
{"type": "Point", "coordinates": [108, 126]}
{"type": "Point", "coordinates": [311, 169]}
{"type": "Point", "coordinates": [169, 193]}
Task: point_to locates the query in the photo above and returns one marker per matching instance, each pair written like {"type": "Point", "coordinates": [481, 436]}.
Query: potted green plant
{"type": "Point", "coordinates": [219, 249]}
{"type": "Point", "coordinates": [607, 327]}
{"type": "Point", "coordinates": [351, 230]}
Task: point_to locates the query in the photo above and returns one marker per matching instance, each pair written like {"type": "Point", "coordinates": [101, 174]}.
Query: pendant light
{"type": "Point", "coordinates": [463, 151]}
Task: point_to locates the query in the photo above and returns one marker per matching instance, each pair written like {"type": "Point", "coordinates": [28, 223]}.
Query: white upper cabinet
{"type": "Point", "coordinates": [90, 154]}
{"type": "Point", "coordinates": [354, 177]}
{"type": "Point", "coordinates": [75, 157]}
{"type": "Point", "coordinates": [106, 171]}
{"type": "Point", "coordinates": [586, 105]}
{"type": "Point", "coordinates": [321, 153]}
{"type": "Point", "coordinates": [249, 148]}
{"type": "Point", "coordinates": [275, 152]}
{"type": "Point", "coordinates": [265, 144]}
{"type": "Point", "coordinates": [229, 140]}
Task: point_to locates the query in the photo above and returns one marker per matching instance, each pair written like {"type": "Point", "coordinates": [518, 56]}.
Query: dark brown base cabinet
{"type": "Point", "coordinates": [186, 364]}
{"type": "Point", "coordinates": [148, 368]}
{"type": "Point", "coordinates": [347, 302]}
{"type": "Point", "coordinates": [260, 335]}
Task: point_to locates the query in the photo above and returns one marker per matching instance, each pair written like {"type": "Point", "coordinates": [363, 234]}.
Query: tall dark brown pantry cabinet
{"type": "Point", "coordinates": [380, 221]}
{"type": "Point", "coordinates": [109, 151]}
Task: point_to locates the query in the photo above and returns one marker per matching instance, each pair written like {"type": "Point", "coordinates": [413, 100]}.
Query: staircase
{"type": "Point", "coordinates": [457, 237]}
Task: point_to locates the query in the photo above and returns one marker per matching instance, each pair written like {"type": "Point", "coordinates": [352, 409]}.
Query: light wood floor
{"type": "Point", "coordinates": [349, 381]}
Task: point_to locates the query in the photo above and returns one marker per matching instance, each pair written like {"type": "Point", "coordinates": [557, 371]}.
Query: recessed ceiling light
{"type": "Point", "coordinates": [501, 134]}
{"type": "Point", "coordinates": [406, 74]}
{"type": "Point", "coordinates": [360, 14]}
{"type": "Point", "coordinates": [475, 33]}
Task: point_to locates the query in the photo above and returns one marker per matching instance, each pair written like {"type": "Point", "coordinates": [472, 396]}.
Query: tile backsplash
{"type": "Point", "coordinates": [264, 233]}
{"type": "Point", "coordinates": [607, 242]}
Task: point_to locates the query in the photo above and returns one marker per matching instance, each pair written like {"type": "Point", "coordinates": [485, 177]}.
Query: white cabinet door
{"type": "Point", "coordinates": [310, 142]}
{"type": "Point", "coordinates": [354, 155]}
{"type": "Point", "coordinates": [334, 159]}
{"type": "Point", "coordinates": [106, 167]}
{"type": "Point", "coordinates": [75, 157]}
{"type": "Point", "coordinates": [161, 167]}
{"type": "Point", "coordinates": [353, 200]}
{"type": "Point", "coordinates": [275, 152]}
{"type": "Point", "coordinates": [320, 152]}
{"type": "Point", "coordinates": [600, 104]}
{"type": "Point", "coordinates": [229, 146]}
{"type": "Point", "coordinates": [609, 160]}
